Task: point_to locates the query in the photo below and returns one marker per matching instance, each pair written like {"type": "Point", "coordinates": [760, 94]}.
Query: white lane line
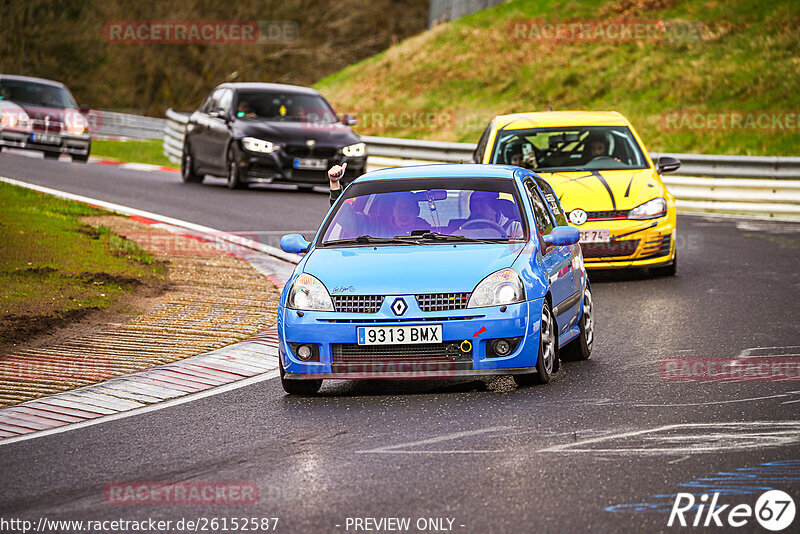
{"type": "Point", "coordinates": [394, 449]}
{"type": "Point", "coordinates": [781, 433]}
{"type": "Point", "coordinates": [125, 210]}
{"type": "Point", "coordinates": [191, 397]}
{"type": "Point", "coordinates": [711, 403]}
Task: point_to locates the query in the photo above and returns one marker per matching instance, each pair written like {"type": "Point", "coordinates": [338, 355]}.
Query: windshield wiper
{"type": "Point", "coordinates": [365, 240]}
{"type": "Point", "coordinates": [436, 236]}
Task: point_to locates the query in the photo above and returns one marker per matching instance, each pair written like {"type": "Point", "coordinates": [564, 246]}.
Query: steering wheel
{"type": "Point", "coordinates": [602, 158]}
{"type": "Point", "coordinates": [487, 222]}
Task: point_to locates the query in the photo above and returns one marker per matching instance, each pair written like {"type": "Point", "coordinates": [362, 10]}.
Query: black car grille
{"type": "Point", "coordinates": [357, 303]}
{"type": "Point", "coordinates": [302, 151]}
{"type": "Point", "coordinates": [657, 246]}
{"type": "Point", "coordinates": [607, 250]}
{"type": "Point", "coordinates": [433, 302]}
{"type": "Point", "coordinates": [606, 214]}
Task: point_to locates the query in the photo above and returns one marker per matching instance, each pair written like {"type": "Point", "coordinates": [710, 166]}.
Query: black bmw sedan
{"type": "Point", "coordinates": [251, 133]}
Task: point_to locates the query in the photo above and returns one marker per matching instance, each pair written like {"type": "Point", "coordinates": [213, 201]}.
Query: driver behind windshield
{"type": "Point", "coordinates": [486, 211]}
{"type": "Point", "coordinates": [596, 146]}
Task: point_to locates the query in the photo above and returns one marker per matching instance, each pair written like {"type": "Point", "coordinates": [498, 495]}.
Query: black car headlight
{"type": "Point", "coordinates": [254, 144]}
{"type": "Point", "coordinates": [355, 151]}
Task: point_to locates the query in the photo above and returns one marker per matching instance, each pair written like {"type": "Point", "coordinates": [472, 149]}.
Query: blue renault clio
{"type": "Point", "coordinates": [436, 271]}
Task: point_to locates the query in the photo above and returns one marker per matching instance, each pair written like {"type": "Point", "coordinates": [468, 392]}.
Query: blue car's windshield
{"type": "Point", "coordinates": [413, 216]}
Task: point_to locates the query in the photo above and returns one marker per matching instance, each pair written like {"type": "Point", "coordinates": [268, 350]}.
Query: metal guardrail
{"type": "Point", "coordinates": [112, 124]}
{"type": "Point", "coordinates": [764, 186]}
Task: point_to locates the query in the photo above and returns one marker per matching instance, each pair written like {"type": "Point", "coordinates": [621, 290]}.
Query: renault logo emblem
{"type": "Point", "coordinates": [399, 306]}
{"type": "Point", "coordinates": [578, 217]}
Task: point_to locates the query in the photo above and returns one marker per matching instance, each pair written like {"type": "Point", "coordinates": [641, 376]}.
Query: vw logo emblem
{"type": "Point", "coordinates": [577, 217]}
{"type": "Point", "coordinates": [310, 143]}
{"type": "Point", "coordinates": [399, 306]}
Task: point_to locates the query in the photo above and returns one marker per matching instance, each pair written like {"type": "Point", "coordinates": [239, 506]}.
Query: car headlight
{"type": "Point", "coordinates": [258, 145]}
{"type": "Point", "coordinates": [649, 210]}
{"type": "Point", "coordinates": [355, 151]}
{"type": "Point", "coordinates": [75, 123]}
{"type": "Point", "coordinates": [501, 287]}
{"type": "Point", "coordinates": [308, 293]}
{"type": "Point", "coordinates": [11, 118]}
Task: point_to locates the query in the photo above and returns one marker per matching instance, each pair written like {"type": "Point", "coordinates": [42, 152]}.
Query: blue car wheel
{"type": "Point", "coordinates": [546, 361]}
{"type": "Point", "coordinates": [581, 347]}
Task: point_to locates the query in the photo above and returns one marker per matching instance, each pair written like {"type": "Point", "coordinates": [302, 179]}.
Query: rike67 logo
{"type": "Point", "coordinates": [774, 510]}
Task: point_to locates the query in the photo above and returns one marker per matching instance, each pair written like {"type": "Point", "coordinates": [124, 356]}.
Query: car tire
{"type": "Point", "coordinates": [234, 174]}
{"type": "Point", "coordinates": [581, 347]}
{"type": "Point", "coordinates": [548, 351]}
{"type": "Point", "coordinates": [188, 174]}
{"type": "Point", "coordinates": [304, 388]}
{"type": "Point", "coordinates": [51, 155]}
{"type": "Point", "coordinates": [80, 159]}
{"type": "Point", "coordinates": [668, 270]}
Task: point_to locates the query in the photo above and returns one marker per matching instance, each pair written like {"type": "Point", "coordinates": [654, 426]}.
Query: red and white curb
{"type": "Point", "coordinates": [231, 367]}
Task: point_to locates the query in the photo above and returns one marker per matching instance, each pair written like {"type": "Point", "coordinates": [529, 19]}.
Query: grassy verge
{"type": "Point", "coordinates": [53, 268]}
{"type": "Point", "coordinates": [733, 56]}
{"type": "Point", "coordinates": [149, 151]}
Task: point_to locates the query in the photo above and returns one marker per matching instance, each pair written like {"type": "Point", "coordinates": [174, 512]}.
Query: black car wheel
{"type": "Point", "coordinates": [304, 388]}
{"type": "Point", "coordinates": [188, 173]}
{"type": "Point", "coordinates": [548, 352]}
{"type": "Point", "coordinates": [234, 174]}
{"type": "Point", "coordinates": [51, 155]}
{"type": "Point", "coordinates": [581, 347]}
{"type": "Point", "coordinates": [80, 159]}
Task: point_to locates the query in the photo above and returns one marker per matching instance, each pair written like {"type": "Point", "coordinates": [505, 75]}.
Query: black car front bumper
{"type": "Point", "coordinates": [279, 166]}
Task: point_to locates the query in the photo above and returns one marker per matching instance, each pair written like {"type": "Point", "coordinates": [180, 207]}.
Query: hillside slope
{"type": "Point", "coordinates": [713, 60]}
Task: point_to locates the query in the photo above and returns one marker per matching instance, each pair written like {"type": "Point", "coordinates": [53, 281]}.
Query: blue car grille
{"type": "Point", "coordinates": [433, 302]}
{"type": "Point", "coordinates": [357, 303]}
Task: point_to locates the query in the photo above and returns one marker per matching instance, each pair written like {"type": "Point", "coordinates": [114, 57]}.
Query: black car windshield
{"type": "Point", "coordinates": [37, 94]}
{"type": "Point", "coordinates": [451, 211]}
{"type": "Point", "coordinates": [569, 148]}
{"type": "Point", "coordinates": [284, 107]}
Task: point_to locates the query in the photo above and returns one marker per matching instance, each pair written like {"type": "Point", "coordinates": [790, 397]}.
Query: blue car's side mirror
{"type": "Point", "coordinates": [294, 244]}
{"type": "Point", "coordinates": [562, 236]}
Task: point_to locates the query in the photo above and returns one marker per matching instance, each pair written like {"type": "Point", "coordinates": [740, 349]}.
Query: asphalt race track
{"type": "Point", "coordinates": [604, 447]}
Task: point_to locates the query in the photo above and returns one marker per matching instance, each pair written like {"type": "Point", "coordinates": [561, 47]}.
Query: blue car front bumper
{"type": "Point", "coordinates": [465, 350]}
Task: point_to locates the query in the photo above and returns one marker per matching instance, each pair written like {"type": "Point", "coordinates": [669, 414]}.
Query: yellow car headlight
{"type": "Point", "coordinates": [649, 210]}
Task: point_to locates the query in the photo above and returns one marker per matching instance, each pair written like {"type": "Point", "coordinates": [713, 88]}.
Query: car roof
{"type": "Point", "coordinates": [442, 170]}
{"type": "Point", "coordinates": [31, 79]}
{"type": "Point", "coordinates": [257, 86]}
{"type": "Point", "coordinates": [544, 119]}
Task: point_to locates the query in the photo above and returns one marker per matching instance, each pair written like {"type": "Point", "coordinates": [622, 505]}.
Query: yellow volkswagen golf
{"type": "Point", "coordinates": [600, 171]}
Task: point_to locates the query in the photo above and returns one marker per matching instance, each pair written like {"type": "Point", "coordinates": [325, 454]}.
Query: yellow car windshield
{"type": "Point", "coordinates": [569, 148]}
